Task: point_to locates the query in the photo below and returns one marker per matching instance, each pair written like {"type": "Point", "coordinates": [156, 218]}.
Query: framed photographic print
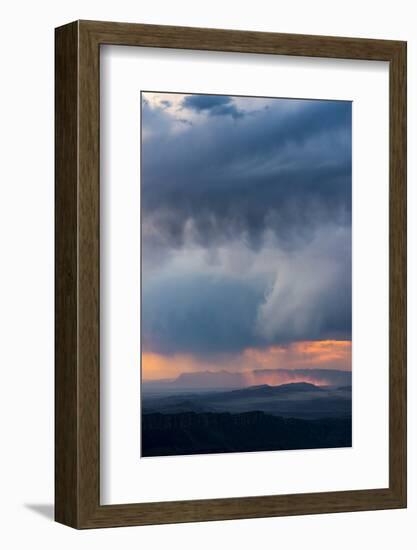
{"type": "Point", "coordinates": [230, 274]}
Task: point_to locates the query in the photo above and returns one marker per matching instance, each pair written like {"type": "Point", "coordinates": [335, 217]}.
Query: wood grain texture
{"type": "Point", "coordinates": [66, 237]}
{"type": "Point", "coordinates": [398, 273]}
{"type": "Point", "coordinates": [78, 285]}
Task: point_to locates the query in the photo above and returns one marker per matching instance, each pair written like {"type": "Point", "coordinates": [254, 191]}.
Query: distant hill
{"type": "Point", "coordinates": [225, 380]}
{"type": "Point", "coordinates": [209, 379]}
{"type": "Point", "coordinates": [296, 400]}
{"type": "Point", "coordinates": [266, 389]}
{"type": "Point", "coordinates": [316, 376]}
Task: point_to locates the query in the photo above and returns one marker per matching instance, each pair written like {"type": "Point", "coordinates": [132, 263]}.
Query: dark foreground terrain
{"type": "Point", "coordinates": [190, 433]}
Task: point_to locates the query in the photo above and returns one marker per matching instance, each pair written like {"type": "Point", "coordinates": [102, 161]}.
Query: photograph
{"type": "Point", "coordinates": [246, 273]}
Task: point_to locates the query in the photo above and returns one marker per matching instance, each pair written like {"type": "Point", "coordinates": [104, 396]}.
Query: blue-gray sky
{"type": "Point", "coordinates": [246, 223]}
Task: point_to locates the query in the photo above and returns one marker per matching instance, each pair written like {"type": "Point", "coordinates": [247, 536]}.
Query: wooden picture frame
{"type": "Point", "coordinates": [77, 382]}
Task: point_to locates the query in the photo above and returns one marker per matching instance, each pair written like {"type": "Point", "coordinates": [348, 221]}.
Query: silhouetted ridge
{"type": "Point", "coordinates": [266, 389]}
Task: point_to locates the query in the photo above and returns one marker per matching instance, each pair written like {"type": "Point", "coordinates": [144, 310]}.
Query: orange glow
{"type": "Point", "coordinates": [320, 354]}
{"type": "Point", "coordinates": [336, 354]}
{"type": "Point", "coordinates": [155, 366]}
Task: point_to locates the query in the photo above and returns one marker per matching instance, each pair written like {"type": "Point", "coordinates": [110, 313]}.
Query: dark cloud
{"type": "Point", "coordinates": [203, 315]}
{"type": "Point", "coordinates": [286, 171]}
{"type": "Point", "coordinates": [214, 105]}
{"type": "Point", "coordinates": [199, 314]}
{"type": "Point", "coordinates": [246, 224]}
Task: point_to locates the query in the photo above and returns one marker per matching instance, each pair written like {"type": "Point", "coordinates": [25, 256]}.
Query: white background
{"type": "Point", "coordinates": [124, 476]}
{"type": "Point", "coordinates": [26, 272]}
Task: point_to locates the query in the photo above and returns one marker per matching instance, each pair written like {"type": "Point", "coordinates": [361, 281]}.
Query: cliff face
{"type": "Point", "coordinates": [199, 433]}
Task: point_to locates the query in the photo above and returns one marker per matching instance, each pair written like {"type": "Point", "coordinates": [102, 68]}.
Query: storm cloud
{"type": "Point", "coordinates": [214, 105]}
{"type": "Point", "coordinates": [285, 168]}
{"type": "Point", "coordinates": [246, 222]}
{"type": "Point", "coordinates": [208, 301]}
